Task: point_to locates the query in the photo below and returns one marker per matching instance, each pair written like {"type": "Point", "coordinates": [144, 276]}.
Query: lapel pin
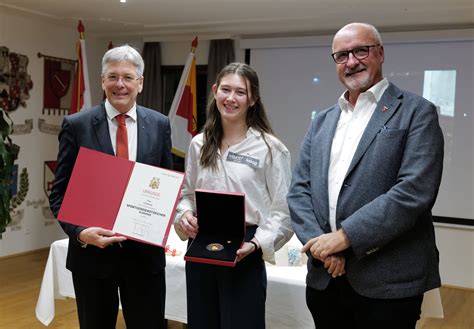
{"type": "Point", "coordinates": [384, 109]}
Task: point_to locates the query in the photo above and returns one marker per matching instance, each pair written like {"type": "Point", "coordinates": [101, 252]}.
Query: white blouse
{"type": "Point", "coordinates": [247, 167]}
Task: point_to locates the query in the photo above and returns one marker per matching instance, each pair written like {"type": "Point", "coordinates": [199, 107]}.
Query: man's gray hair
{"type": "Point", "coordinates": [124, 53]}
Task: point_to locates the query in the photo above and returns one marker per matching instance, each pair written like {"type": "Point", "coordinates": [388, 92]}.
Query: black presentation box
{"type": "Point", "coordinates": [221, 220]}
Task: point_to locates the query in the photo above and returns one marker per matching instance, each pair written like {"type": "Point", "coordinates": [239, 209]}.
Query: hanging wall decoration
{"type": "Point", "coordinates": [58, 78]}
{"type": "Point", "coordinates": [48, 178]}
{"type": "Point", "coordinates": [15, 84]}
{"type": "Point", "coordinates": [17, 198]}
{"type": "Point", "coordinates": [23, 128]}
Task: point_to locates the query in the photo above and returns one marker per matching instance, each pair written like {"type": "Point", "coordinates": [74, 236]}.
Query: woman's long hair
{"type": "Point", "coordinates": [256, 115]}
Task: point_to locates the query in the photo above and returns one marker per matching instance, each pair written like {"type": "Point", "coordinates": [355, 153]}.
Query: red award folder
{"type": "Point", "coordinates": [130, 198]}
{"type": "Point", "coordinates": [221, 220]}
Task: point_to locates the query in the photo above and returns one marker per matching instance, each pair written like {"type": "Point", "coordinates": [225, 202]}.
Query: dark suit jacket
{"type": "Point", "coordinates": [385, 202]}
{"type": "Point", "coordinates": [89, 128]}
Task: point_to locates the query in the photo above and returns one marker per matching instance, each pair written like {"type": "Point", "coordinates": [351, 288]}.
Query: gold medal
{"type": "Point", "coordinates": [214, 247]}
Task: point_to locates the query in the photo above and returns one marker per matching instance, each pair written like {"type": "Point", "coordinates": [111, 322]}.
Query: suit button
{"type": "Point", "coordinates": [371, 251]}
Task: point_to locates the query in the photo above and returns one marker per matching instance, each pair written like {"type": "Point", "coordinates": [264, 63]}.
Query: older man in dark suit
{"type": "Point", "coordinates": [103, 264]}
{"type": "Point", "coordinates": [362, 193]}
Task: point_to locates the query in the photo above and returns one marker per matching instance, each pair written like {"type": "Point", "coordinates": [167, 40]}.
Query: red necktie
{"type": "Point", "coordinates": [122, 137]}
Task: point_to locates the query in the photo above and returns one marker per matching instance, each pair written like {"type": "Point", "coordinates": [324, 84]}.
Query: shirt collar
{"type": "Point", "coordinates": [376, 92]}
{"type": "Point", "coordinates": [253, 131]}
{"type": "Point", "coordinates": [112, 112]}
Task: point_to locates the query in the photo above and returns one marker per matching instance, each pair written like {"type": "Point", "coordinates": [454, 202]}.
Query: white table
{"type": "Point", "coordinates": [285, 306]}
{"type": "Point", "coordinates": [57, 284]}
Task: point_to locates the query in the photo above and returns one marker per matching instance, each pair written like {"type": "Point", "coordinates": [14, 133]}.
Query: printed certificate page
{"type": "Point", "coordinates": [147, 207]}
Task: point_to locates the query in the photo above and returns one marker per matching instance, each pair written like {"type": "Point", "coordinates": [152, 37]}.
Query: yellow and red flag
{"type": "Point", "coordinates": [81, 95]}
{"type": "Point", "coordinates": [183, 111]}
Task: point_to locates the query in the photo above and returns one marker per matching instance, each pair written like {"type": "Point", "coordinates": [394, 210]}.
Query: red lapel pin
{"type": "Point", "coordinates": [385, 109]}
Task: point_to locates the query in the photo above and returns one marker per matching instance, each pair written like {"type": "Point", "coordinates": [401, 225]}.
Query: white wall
{"type": "Point", "coordinates": [29, 36]}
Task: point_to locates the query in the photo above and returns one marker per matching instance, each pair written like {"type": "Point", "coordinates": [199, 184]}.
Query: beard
{"type": "Point", "coordinates": [358, 80]}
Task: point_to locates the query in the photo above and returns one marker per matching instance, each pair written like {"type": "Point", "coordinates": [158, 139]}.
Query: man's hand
{"type": "Point", "coordinates": [335, 264]}
{"type": "Point", "coordinates": [327, 244]}
{"type": "Point", "coordinates": [99, 237]}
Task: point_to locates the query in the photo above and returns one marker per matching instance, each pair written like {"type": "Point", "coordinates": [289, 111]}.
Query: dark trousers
{"type": "Point", "coordinates": [339, 306]}
{"type": "Point", "coordinates": [220, 297]}
{"type": "Point", "coordinates": [142, 296]}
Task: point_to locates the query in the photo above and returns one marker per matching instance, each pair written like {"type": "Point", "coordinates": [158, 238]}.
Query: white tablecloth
{"type": "Point", "coordinates": [285, 307]}
{"type": "Point", "coordinates": [57, 284]}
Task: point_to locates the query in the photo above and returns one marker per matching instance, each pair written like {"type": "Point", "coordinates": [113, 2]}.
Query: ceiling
{"type": "Point", "coordinates": [233, 18]}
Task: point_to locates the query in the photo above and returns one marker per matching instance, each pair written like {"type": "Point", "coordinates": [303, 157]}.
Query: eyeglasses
{"type": "Point", "coordinates": [127, 79]}
{"type": "Point", "coordinates": [341, 57]}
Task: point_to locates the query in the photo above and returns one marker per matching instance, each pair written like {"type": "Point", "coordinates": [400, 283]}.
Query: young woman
{"type": "Point", "coordinates": [234, 297]}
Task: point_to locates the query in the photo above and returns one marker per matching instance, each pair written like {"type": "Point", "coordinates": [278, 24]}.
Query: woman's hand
{"type": "Point", "coordinates": [188, 224]}
{"type": "Point", "coordinates": [247, 249]}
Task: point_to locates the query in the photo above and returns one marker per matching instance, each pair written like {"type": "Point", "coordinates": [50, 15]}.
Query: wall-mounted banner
{"type": "Point", "coordinates": [48, 128]}
{"type": "Point", "coordinates": [17, 218]}
{"type": "Point", "coordinates": [18, 196]}
{"type": "Point", "coordinates": [58, 77]}
{"type": "Point", "coordinates": [35, 203]}
{"type": "Point", "coordinates": [15, 82]}
{"type": "Point", "coordinates": [23, 129]}
{"type": "Point", "coordinates": [49, 170]}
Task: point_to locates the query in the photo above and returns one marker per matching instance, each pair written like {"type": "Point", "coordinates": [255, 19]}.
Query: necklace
{"type": "Point", "coordinates": [228, 144]}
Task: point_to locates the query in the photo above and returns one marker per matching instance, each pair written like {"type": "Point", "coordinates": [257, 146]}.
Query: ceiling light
{"type": "Point", "coordinates": [123, 1]}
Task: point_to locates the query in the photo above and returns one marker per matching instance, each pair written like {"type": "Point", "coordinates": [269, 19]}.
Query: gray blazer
{"type": "Point", "coordinates": [385, 202]}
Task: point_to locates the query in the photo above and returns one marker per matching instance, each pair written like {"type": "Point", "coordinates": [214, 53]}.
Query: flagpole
{"type": "Point", "coordinates": [81, 97]}
{"type": "Point", "coordinates": [85, 72]}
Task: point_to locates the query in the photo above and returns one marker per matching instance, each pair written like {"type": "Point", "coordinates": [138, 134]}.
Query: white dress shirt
{"type": "Point", "coordinates": [264, 179]}
{"type": "Point", "coordinates": [131, 123]}
{"type": "Point", "coordinates": [349, 130]}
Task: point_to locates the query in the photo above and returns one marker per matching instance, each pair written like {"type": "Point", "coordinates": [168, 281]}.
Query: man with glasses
{"type": "Point", "coordinates": [102, 264]}
{"type": "Point", "coordinates": [362, 192]}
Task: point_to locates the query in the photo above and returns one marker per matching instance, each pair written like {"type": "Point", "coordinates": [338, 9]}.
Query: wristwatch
{"type": "Point", "coordinates": [254, 244]}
